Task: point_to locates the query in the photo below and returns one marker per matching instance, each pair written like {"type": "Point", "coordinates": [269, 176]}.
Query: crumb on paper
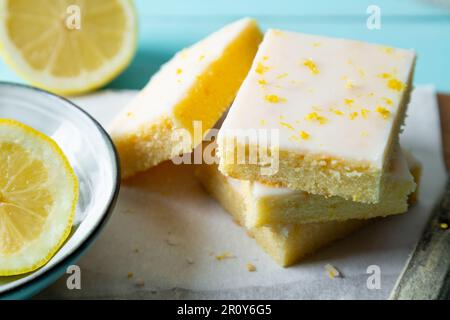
{"type": "Point", "coordinates": [136, 250]}
{"type": "Point", "coordinates": [251, 267]}
{"type": "Point", "coordinates": [172, 241]}
{"type": "Point", "coordinates": [140, 283]}
{"type": "Point", "coordinates": [225, 255]}
{"type": "Point", "coordinates": [189, 261]}
{"type": "Point", "coordinates": [130, 275]}
{"type": "Point", "coordinates": [332, 271]}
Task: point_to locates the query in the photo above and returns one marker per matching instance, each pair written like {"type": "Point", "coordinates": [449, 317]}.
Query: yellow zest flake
{"type": "Point", "coordinates": [364, 134]}
{"type": "Point", "coordinates": [349, 61]}
{"type": "Point", "coordinates": [349, 102]}
{"type": "Point", "coordinates": [337, 111]}
{"type": "Point", "coordinates": [385, 113]}
{"type": "Point", "coordinates": [273, 98]}
{"type": "Point", "coordinates": [316, 108]}
{"type": "Point", "coordinates": [443, 226]}
{"type": "Point", "coordinates": [395, 84]}
{"type": "Point", "coordinates": [263, 122]}
{"type": "Point", "coordinates": [361, 73]}
{"type": "Point", "coordinates": [311, 66]}
{"type": "Point", "coordinates": [353, 115]}
{"type": "Point", "coordinates": [179, 71]}
{"type": "Point", "coordinates": [316, 44]}
{"type": "Point", "coordinates": [262, 82]}
{"type": "Point", "coordinates": [349, 84]}
{"type": "Point", "coordinates": [225, 255]}
{"type": "Point", "coordinates": [283, 75]}
{"type": "Point", "coordinates": [201, 57]}
{"type": "Point", "coordinates": [278, 32]}
{"type": "Point", "coordinates": [304, 135]}
{"type": "Point", "coordinates": [344, 77]}
{"type": "Point", "coordinates": [265, 58]}
{"type": "Point", "coordinates": [129, 114]}
{"type": "Point", "coordinates": [365, 113]}
{"type": "Point", "coordinates": [316, 117]}
{"type": "Point", "coordinates": [371, 94]}
{"type": "Point", "coordinates": [261, 69]}
{"type": "Point", "coordinates": [294, 138]}
{"type": "Point", "coordinates": [385, 75]}
{"type": "Point", "coordinates": [281, 118]}
{"type": "Point", "coordinates": [287, 125]}
{"type": "Point", "coordinates": [388, 101]}
{"type": "Point", "coordinates": [388, 50]}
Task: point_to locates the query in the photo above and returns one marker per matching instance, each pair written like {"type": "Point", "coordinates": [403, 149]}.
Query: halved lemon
{"type": "Point", "coordinates": [68, 46]}
{"type": "Point", "coordinates": [38, 197]}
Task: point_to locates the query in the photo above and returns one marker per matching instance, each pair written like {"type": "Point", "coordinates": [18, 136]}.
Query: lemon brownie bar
{"type": "Point", "coordinates": [197, 84]}
{"type": "Point", "coordinates": [337, 105]}
{"type": "Point", "coordinates": [282, 205]}
{"type": "Point", "coordinates": [287, 244]}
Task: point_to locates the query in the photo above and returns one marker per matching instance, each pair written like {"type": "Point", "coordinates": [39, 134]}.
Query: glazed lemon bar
{"type": "Point", "coordinates": [197, 84]}
{"type": "Point", "coordinates": [287, 243]}
{"type": "Point", "coordinates": [282, 205]}
{"type": "Point", "coordinates": [337, 106]}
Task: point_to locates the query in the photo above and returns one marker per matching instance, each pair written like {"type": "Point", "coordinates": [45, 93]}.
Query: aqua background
{"type": "Point", "coordinates": [169, 25]}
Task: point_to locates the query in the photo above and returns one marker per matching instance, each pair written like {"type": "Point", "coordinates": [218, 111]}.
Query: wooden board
{"type": "Point", "coordinates": [427, 273]}
{"type": "Point", "coordinates": [444, 109]}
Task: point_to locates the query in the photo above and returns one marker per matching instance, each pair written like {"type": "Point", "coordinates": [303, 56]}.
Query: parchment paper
{"type": "Point", "coordinates": [165, 233]}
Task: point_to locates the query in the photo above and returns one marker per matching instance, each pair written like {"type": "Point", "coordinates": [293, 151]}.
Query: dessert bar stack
{"type": "Point", "coordinates": [338, 106]}
{"type": "Point", "coordinates": [309, 150]}
{"type": "Point", "coordinates": [195, 87]}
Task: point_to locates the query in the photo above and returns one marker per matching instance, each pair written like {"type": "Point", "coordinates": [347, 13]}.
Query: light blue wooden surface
{"type": "Point", "coordinates": [168, 25]}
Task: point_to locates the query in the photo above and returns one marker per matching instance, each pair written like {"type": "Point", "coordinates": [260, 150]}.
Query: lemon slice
{"type": "Point", "coordinates": [38, 197]}
{"type": "Point", "coordinates": [65, 46]}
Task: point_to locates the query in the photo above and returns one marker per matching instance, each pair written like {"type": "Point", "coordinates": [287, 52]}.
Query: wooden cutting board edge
{"type": "Point", "coordinates": [444, 111]}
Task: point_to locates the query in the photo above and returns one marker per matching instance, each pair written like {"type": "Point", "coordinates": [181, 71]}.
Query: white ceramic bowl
{"type": "Point", "coordinates": [94, 159]}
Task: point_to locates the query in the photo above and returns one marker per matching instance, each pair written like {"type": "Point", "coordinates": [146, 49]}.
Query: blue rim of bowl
{"type": "Point", "coordinates": [78, 250]}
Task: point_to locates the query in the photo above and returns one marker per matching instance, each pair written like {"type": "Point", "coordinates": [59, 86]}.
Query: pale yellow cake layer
{"type": "Point", "coordinates": [286, 244]}
{"type": "Point", "coordinates": [337, 118]}
{"type": "Point", "coordinates": [198, 84]}
{"type": "Point", "coordinates": [274, 205]}
{"type": "Point", "coordinates": [416, 170]}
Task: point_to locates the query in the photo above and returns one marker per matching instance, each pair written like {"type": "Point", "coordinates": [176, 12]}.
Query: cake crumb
{"type": "Point", "coordinates": [251, 267]}
{"type": "Point", "coordinates": [332, 271]}
{"type": "Point", "coordinates": [189, 261]}
{"type": "Point", "coordinates": [172, 240]}
{"type": "Point", "coordinates": [130, 275]}
{"type": "Point", "coordinates": [140, 283]}
{"type": "Point", "coordinates": [225, 255]}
